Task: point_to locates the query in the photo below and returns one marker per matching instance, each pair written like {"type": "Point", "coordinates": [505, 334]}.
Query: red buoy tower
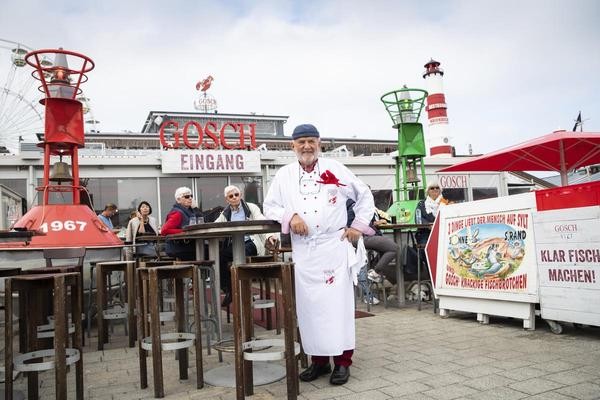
{"type": "Point", "coordinates": [436, 111]}
{"type": "Point", "coordinates": [62, 218]}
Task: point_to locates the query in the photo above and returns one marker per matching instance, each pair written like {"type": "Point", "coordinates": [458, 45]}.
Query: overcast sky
{"type": "Point", "coordinates": [514, 70]}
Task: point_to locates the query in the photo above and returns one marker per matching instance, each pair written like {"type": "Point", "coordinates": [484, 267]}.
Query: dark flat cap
{"type": "Point", "coordinates": [305, 130]}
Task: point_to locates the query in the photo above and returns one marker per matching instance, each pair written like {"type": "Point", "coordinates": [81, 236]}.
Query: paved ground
{"type": "Point", "coordinates": [401, 354]}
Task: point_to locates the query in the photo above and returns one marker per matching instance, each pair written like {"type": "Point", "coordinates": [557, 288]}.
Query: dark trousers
{"type": "Point", "coordinates": [344, 359]}
{"type": "Point", "coordinates": [225, 259]}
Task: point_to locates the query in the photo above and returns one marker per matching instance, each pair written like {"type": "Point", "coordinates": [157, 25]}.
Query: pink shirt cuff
{"type": "Point", "coordinates": [285, 222]}
{"type": "Point", "coordinates": [363, 228]}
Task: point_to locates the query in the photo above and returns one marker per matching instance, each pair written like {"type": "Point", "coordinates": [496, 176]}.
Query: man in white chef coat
{"type": "Point", "coordinates": [308, 198]}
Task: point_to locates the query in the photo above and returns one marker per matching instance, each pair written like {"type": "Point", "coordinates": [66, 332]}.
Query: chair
{"type": "Point", "coordinates": [265, 302]}
{"type": "Point", "coordinates": [143, 289]}
{"type": "Point", "coordinates": [68, 253]}
{"type": "Point", "coordinates": [155, 341]}
{"type": "Point", "coordinates": [241, 277]}
{"type": "Point", "coordinates": [67, 259]}
{"type": "Point", "coordinates": [103, 271]}
{"type": "Point", "coordinates": [206, 271]}
{"type": "Point", "coordinates": [30, 288]}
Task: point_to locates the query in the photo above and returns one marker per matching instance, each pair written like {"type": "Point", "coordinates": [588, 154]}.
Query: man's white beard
{"type": "Point", "coordinates": [303, 158]}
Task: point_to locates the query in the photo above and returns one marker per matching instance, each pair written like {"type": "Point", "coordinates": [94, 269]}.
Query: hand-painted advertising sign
{"type": "Point", "coordinates": [568, 257]}
{"type": "Point", "coordinates": [487, 252]}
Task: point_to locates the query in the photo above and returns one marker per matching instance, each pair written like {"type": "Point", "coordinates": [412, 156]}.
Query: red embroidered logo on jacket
{"type": "Point", "coordinates": [328, 178]}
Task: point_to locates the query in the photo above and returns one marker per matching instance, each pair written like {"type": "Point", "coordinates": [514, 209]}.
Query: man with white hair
{"type": "Point", "coordinates": [308, 197]}
{"type": "Point", "coordinates": [239, 210]}
{"type": "Point", "coordinates": [177, 218]}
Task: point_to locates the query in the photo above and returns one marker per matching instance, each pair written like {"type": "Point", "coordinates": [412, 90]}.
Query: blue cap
{"type": "Point", "coordinates": [305, 130]}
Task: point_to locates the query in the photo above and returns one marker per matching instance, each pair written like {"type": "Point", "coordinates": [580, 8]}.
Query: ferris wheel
{"type": "Point", "coordinates": [21, 114]}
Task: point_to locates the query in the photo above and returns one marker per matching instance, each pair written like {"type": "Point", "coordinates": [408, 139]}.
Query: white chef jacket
{"type": "Point", "coordinates": [323, 262]}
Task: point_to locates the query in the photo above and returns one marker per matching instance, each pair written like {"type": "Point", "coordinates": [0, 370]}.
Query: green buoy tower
{"type": "Point", "coordinates": [404, 107]}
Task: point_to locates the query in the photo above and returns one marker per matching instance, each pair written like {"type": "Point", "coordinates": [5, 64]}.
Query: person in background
{"type": "Point", "coordinates": [177, 218]}
{"type": "Point", "coordinates": [429, 208]}
{"type": "Point", "coordinates": [384, 246]}
{"type": "Point", "coordinates": [308, 197]}
{"type": "Point", "coordinates": [105, 216]}
{"type": "Point", "coordinates": [239, 210]}
{"type": "Point", "coordinates": [142, 223]}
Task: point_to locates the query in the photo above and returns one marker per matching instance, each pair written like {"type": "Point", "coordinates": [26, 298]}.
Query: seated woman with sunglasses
{"type": "Point", "coordinates": [429, 209]}
{"type": "Point", "coordinates": [239, 210]}
{"type": "Point", "coordinates": [177, 218]}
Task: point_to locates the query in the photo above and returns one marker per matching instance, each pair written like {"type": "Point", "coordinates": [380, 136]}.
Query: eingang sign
{"type": "Point", "coordinates": [209, 162]}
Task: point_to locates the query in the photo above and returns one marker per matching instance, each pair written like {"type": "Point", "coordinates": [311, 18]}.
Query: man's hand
{"type": "Point", "coordinates": [272, 242]}
{"type": "Point", "coordinates": [298, 225]}
{"type": "Point", "coordinates": [352, 235]}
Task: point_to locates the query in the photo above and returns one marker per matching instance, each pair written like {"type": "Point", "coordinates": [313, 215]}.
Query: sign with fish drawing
{"type": "Point", "coordinates": [487, 258]}
{"type": "Point", "coordinates": [486, 252]}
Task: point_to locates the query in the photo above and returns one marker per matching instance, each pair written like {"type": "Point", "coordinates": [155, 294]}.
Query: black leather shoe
{"type": "Point", "coordinates": [315, 371]}
{"type": "Point", "coordinates": [340, 375]}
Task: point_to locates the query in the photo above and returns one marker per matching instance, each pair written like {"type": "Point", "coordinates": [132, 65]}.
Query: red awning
{"type": "Point", "coordinates": [559, 151]}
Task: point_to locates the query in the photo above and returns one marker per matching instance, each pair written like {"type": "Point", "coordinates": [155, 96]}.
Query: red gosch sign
{"type": "Point", "coordinates": [195, 136]}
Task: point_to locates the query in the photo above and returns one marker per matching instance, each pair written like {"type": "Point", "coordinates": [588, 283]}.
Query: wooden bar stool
{"type": "Point", "coordinates": [180, 340]}
{"type": "Point", "coordinates": [241, 277]}
{"type": "Point", "coordinates": [32, 359]}
{"type": "Point", "coordinates": [267, 301]}
{"type": "Point", "coordinates": [142, 297]}
{"type": "Point", "coordinates": [103, 271]}
{"type": "Point", "coordinates": [206, 270]}
{"type": "Point", "coordinates": [46, 323]}
{"type": "Point", "coordinates": [57, 257]}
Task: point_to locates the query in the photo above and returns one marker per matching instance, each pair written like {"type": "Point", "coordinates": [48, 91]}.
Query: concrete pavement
{"type": "Point", "coordinates": [401, 354]}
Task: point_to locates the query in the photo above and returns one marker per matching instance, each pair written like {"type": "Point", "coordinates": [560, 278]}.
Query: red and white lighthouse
{"type": "Point", "coordinates": [436, 111]}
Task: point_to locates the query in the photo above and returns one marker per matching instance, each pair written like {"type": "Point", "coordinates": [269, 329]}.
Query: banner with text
{"type": "Point", "coordinates": [210, 161]}
{"type": "Point", "coordinates": [568, 257]}
{"type": "Point", "coordinates": [489, 253]}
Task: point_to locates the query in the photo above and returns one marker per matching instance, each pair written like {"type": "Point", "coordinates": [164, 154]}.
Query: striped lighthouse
{"type": "Point", "coordinates": [436, 111]}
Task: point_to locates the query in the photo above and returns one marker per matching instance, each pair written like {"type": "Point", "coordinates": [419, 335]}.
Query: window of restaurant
{"type": "Point", "coordinates": [126, 193]}
{"type": "Point", "coordinates": [18, 185]}
{"type": "Point", "coordinates": [168, 186]}
{"type": "Point", "coordinates": [456, 195]}
{"type": "Point", "coordinates": [383, 198]}
{"type": "Point", "coordinates": [519, 189]}
{"type": "Point", "coordinates": [210, 192]}
{"type": "Point", "coordinates": [484, 193]}
{"type": "Point", "coordinates": [251, 187]}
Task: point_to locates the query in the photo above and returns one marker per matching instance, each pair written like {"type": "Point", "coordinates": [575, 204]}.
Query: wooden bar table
{"type": "Point", "coordinates": [401, 230]}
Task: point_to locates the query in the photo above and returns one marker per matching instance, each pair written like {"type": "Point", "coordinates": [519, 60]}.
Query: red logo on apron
{"type": "Point", "coordinates": [329, 277]}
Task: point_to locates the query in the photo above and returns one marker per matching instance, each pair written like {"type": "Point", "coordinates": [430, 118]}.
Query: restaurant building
{"type": "Point", "coordinates": [208, 151]}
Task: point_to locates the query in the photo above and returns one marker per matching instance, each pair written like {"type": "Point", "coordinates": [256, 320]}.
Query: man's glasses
{"type": "Point", "coordinates": [434, 188]}
{"type": "Point", "coordinates": [232, 195]}
{"type": "Point", "coordinates": [188, 196]}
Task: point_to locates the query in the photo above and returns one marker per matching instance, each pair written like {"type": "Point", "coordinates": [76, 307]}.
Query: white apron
{"type": "Point", "coordinates": [324, 293]}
